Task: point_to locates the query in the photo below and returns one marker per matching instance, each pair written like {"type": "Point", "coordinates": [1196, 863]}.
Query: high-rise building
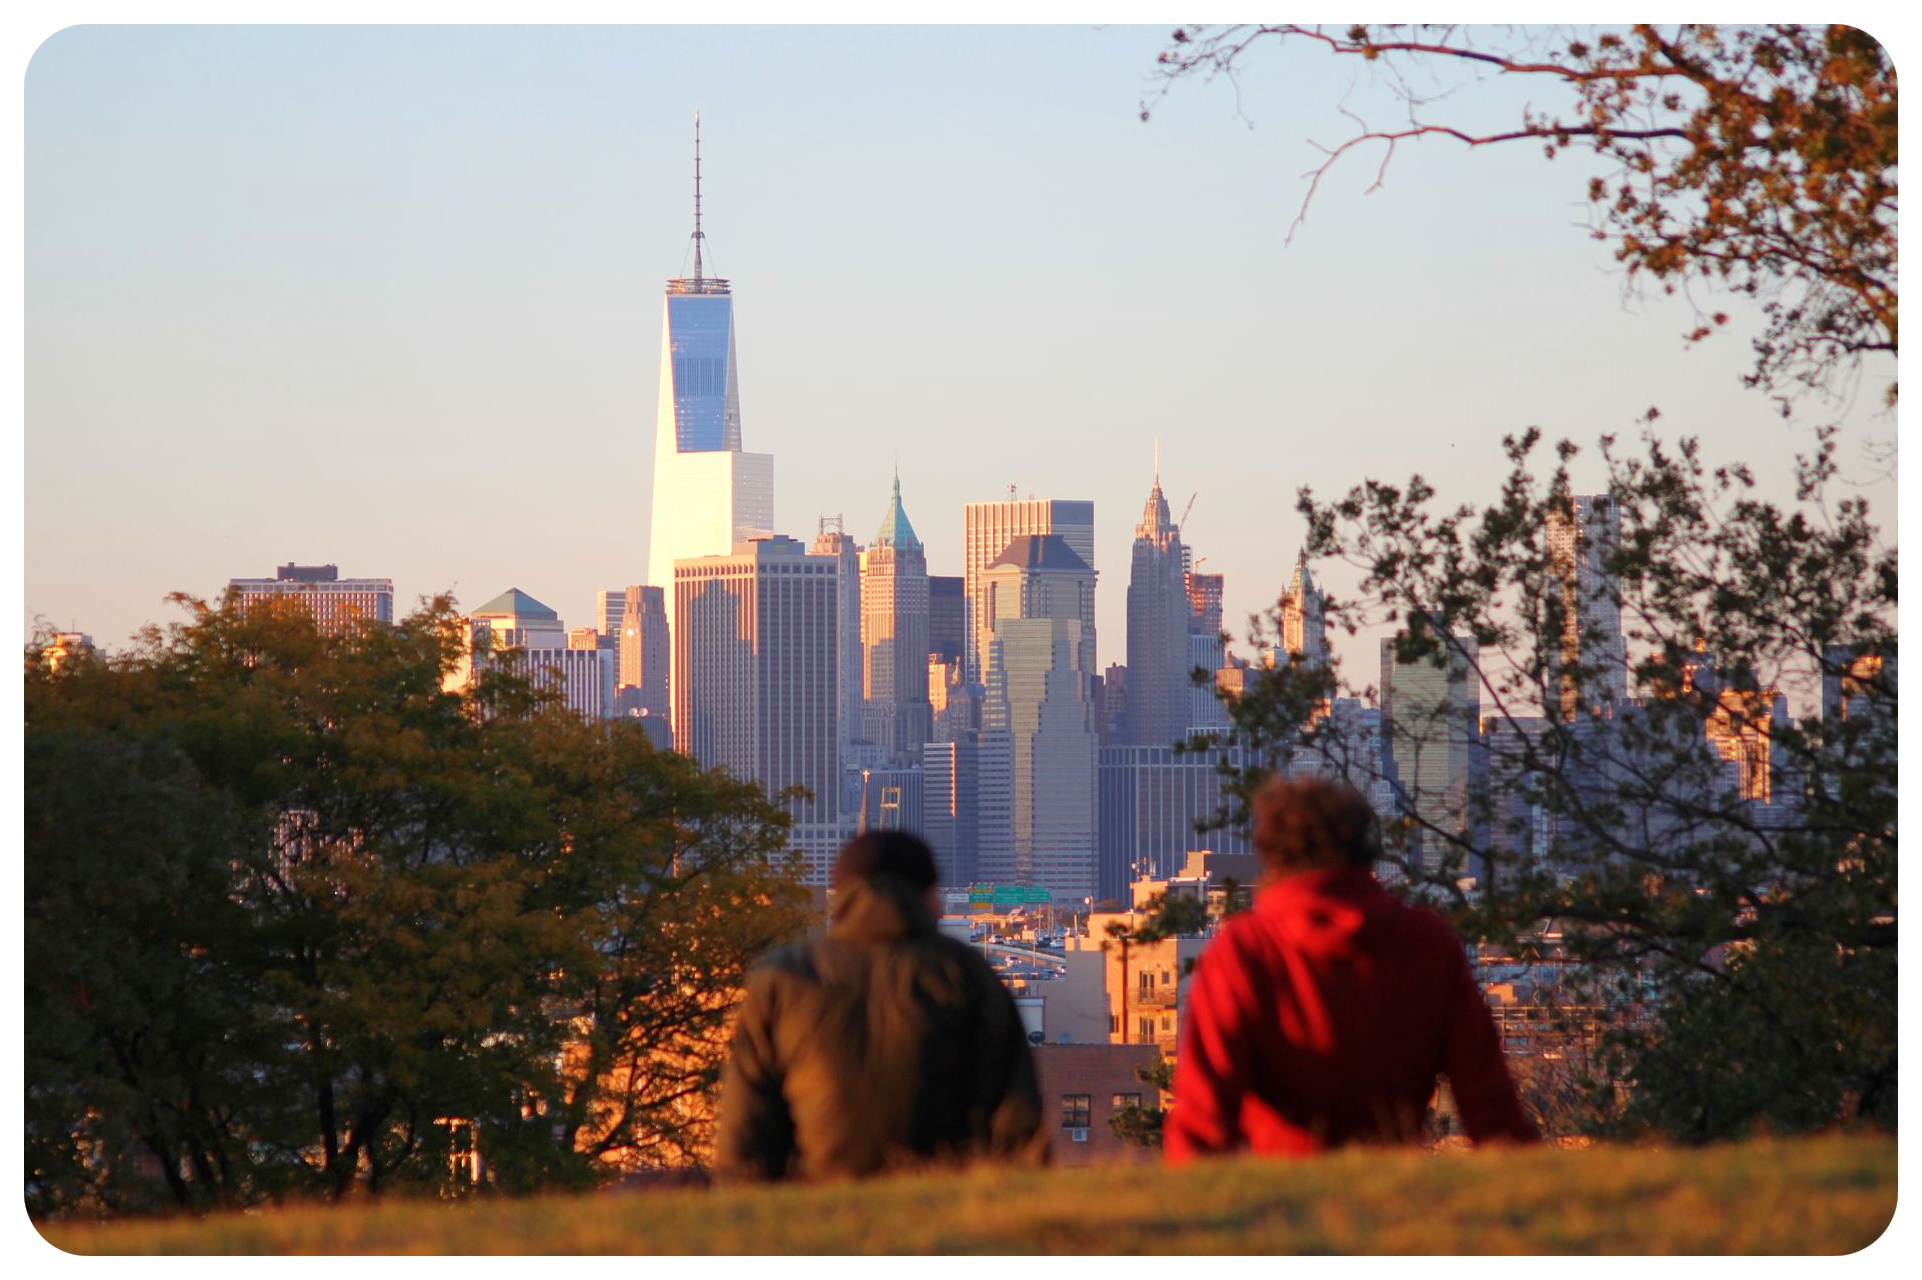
{"type": "Point", "coordinates": [894, 637]}
{"type": "Point", "coordinates": [708, 493]}
{"type": "Point", "coordinates": [947, 619]}
{"type": "Point", "coordinates": [1159, 613]}
{"type": "Point", "coordinates": [756, 679]}
{"type": "Point", "coordinates": [335, 603]}
{"type": "Point", "coordinates": [833, 541]}
{"type": "Point", "coordinates": [1204, 601]}
{"type": "Point", "coordinates": [1304, 630]}
{"type": "Point", "coordinates": [1430, 724]}
{"type": "Point", "coordinates": [644, 652]}
{"type": "Point", "coordinates": [1038, 739]}
{"type": "Point", "coordinates": [516, 620]}
{"type": "Point", "coordinates": [516, 632]}
{"type": "Point", "coordinates": [608, 608]}
{"type": "Point", "coordinates": [1152, 799]}
{"type": "Point", "coordinates": [1580, 546]}
{"type": "Point", "coordinates": [991, 526]}
{"type": "Point", "coordinates": [950, 779]}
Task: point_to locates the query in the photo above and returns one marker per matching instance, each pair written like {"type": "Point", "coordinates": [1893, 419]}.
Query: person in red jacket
{"type": "Point", "coordinates": [1323, 1014]}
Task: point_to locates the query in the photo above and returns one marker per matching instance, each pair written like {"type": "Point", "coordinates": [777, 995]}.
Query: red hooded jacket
{"type": "Point", "coordinates": [1322, 1016]}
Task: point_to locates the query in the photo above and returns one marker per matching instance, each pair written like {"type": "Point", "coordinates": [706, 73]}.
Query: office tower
{"type": "Point", "coordinates": [1430, 723]}
{"type": "Point", "coordinates": [65, 647]}
{"type": "Point", "coordinates": [1038, 738]}
{"type": "Point", "coordinates": [1304, 631]}
{"type": "Point", "coordinates": [1204, 602]}
{"type": "Point", "coordinates": [708, 494]}
{"type": "Point", "coordinates": [1159, 691]}
{"type": "Point", "coordinates": [894, 637]}
{"type": "Point", "coordinates": [947, 619]}
{"type": "Point", "coordinates": [1152, 798]}
{"type": "Point", "coordinates": [1206, 712]}
{"type": "Point", "coordinates": [756, 685]}
{"type": "Point", "coordinates": [335, 603]}
{"type": "Point", "coordinates": [608, 608]}
{"type": "Point", "coordinates": [1580, 546]}
{"type": "Point", "coordinates": [515, 632]}
{"type": "Point", "coordinates": [1855, 684]}
{"type": "Point", "coordinates": [950, 783]}
{"type": "Point", "coordinates": [991, 526]}
{"type": "Point", "coordinates": [516, 620]}
{"type": "Point", "coordinates": [833, 541]}
{"type": "Point", "coordinates": [1111, 705]}
{"type": "Point", "coordinates": [643, 652]}
{"type": "Point", "coordinates": [1207, 650]}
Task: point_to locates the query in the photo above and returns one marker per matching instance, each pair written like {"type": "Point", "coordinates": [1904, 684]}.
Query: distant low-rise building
{"type": "Point", "coordinates": [335, 603]}
{"type": "Point", "coordinates": [1082, 1087]}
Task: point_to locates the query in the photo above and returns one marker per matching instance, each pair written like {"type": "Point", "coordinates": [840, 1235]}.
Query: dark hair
{"type": "Point", "coordinates": [1301, 823]}
{"type": "Point", "coordinates": [894, 854]}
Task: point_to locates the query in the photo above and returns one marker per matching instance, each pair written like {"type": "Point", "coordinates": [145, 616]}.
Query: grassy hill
{"type": "Point", "coordinates": [1826, 1195]}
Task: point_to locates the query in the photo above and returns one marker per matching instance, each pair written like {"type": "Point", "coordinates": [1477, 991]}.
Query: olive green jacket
{"type": "Point", "coordinates": [880, 1045]}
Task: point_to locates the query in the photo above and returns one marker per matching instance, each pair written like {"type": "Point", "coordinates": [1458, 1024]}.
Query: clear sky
{"type": "Point", "coordinates": [390, 297]}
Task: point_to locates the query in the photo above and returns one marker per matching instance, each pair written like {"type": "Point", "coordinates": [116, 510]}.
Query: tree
{"type": "Point", "coordinates": [1723, 871]}
{"type": "Point", "coordinates": [1761, 159]}
{"type": "Point", "coordinates": [1638, 797]}
{"type": "Point", "coordinates": [1140, 1123]}
{"type": "Point", "coordinates": [300, 915]}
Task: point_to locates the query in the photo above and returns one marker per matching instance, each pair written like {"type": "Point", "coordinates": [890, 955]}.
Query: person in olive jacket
{"type": "Point", "coordinates": [879, 1045]}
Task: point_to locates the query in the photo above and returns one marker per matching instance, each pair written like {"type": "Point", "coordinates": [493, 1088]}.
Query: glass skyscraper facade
{"type": "Point", "coordinates": [700, 362]}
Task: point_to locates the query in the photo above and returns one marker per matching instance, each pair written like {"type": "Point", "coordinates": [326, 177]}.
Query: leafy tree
{"type": "Point", "coordinates": [1761, 159]}
{"type": "Point", "coordinates": [1140, 1124]}
{"type": "Point", "coordinates": [1724, 871]}
{"type": "Point", "coordinates": [298, 912]}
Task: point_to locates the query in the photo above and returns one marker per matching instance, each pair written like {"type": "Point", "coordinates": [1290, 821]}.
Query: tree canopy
{"type": "Point", "coordinates": [1651, 730]}
{"type": "Point", "coordinates": [301, 921]}
{"type": "Point", "coordinates": [1761, 159]}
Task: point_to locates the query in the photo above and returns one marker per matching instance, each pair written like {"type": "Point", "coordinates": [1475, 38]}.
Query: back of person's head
{"type": "Point", "coordinates": [886, 855]}
{"type": "Point", "coordinates": [1304, 823]}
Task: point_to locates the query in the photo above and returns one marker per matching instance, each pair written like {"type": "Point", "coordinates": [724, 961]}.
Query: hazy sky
{"type": "Point", "coordinates": [391, 298]}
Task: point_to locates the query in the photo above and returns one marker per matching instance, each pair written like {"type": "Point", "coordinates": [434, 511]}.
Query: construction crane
{"type": "Point", "coordinates": [1183, 522]}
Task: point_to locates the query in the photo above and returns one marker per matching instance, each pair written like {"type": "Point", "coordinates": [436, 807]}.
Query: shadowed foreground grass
{"type": "Point", "coordinates": [1809, 1196]}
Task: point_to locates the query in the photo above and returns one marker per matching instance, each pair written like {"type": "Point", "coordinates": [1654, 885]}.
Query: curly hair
{"type": "Point", "coordinates": [1300, 823]}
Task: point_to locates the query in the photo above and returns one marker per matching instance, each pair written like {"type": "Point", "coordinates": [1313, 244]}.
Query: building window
{"type": "Point", "coordinates": [1123, 1100]}
{"type": "Point", "coordinates": [1076, 1110]}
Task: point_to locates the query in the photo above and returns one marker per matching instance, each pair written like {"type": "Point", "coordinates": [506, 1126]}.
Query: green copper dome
{"type": "Point", "coordinates": [895, 530]}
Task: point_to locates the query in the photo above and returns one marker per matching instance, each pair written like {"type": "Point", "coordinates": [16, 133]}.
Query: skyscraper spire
{"type": "Point", "coordinates": [698, 237]}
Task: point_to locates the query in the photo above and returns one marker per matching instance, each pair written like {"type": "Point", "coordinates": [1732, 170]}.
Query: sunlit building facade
{"type": "Point", "coordinates": [708, 493]}
{"type": "Point", "coordinates": [833, 541]}
{"type": "Point", "coordinates": [990, 527]}
{"type": "Point", "coordinates": [1039, 737]}
{"type": "Point", "coordinates": [756, 686]}
{"type": "Point", "coordinates": [1160, 695]}
{"type": "Point", "coordinates": [1580, 546]}
{"type": "Point", "coordinates": [894, 637]}
{"type": "Point", "coordinates": [335, 603]}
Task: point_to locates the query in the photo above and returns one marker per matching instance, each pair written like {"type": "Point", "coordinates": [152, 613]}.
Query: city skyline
{"type": "Point", "coordinates": [250, 288]}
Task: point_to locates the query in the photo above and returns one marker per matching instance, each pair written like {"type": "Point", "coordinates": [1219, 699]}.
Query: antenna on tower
{"type": "Point", "coordinates": [697, 196]}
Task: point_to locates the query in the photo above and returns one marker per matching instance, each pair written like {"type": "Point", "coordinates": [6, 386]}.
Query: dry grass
{"type": "Point", "coordinates": [1828, 1195]}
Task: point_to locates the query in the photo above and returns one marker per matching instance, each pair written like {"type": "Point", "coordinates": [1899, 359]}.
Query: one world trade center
{"type": "Point", "coordinates": [708, 494]}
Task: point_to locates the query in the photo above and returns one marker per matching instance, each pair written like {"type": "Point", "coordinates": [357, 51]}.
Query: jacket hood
{"type": "Point", "coordinates": [1326, 911]}
{"type": "Point", "coordinates": [879, 910]}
